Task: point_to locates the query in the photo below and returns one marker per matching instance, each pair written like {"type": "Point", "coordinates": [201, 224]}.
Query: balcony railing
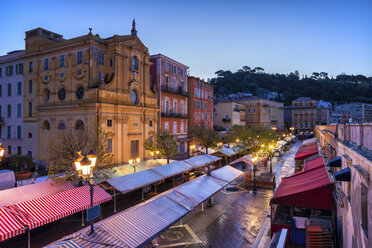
{"type": "Point", "coordinates": [236, 109]}
{"type": "Point", "coordinates": [226, 119]}
{"type": "Point", "coordinates": [174, 115]}
{"type": "Point", "coordinates": [179, 91]}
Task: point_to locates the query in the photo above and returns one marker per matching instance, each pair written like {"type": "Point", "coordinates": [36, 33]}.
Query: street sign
{"type": "Point", "coordinates": [93, 212]}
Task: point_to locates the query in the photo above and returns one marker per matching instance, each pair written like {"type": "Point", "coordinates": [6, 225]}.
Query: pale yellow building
{"type": "Point", "coordinates": [228, 114]}
{"type": "Point", "coordinates": [78, 82]}
{"type": "Point", "coordinates": [262, 112]}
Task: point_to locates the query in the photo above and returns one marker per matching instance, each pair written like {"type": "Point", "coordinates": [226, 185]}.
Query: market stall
{"type": "Point", "coordinates": [303, 196]}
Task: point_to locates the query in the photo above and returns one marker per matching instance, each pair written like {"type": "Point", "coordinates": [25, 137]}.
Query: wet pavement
{"type": "Point", "coordinates": [237, 219]}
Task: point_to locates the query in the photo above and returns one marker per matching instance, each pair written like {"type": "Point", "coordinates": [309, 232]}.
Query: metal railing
{"type": "Point", "coordinates": [179, 91]}
{"type": "Point", "coordinates": [174, 115]}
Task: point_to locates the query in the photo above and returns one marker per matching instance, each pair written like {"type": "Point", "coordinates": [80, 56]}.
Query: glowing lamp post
{"type": "Point", "coordinates": [254, 173]}
{"type": "Point", "coordinates": [133, 162]}
{"type": "Point", "coordinates": [84, 166]}
{"type": "Point", "coordinates": [2, 150]}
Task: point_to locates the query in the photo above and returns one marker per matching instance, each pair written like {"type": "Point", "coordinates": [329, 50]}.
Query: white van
{"type": "Point", "coordinates": [7, 179]}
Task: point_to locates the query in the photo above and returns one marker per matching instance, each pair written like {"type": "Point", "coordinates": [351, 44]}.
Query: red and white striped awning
{"type": "Point", "coordinates": [41, 211]}
{"type": "Point", "coordinates": [9, 226]}
{"type": "Point", "coordinates": [16, 195]}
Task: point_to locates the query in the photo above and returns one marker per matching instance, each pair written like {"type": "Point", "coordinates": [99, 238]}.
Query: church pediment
{"type": "Point", "coordinates": [135, 44]}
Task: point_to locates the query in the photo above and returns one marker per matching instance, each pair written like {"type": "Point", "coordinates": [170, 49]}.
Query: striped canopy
{"type": "Point", "coordinates": [9, 226]}
{"type": "Point", "coordinates": [227, 173]}
{"type": "Point", "coordinates": [201, 160]}
{"type": "Point", "coordinates": [172, 169]}
{"type": "Point", "coordinates": [134, 181]}
{"type": "Point", "coordinates": [16, 195]}
{"type": "Point", "coordinates": [41, 211]}
{"type": "Point", "coordinates": [99, 239]}
{"type": "Point", "coordinates": [137, 226]}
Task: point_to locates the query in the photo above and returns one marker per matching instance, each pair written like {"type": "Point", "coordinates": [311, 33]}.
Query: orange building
{"type": "Point", "coordinates": [169, 81]}
{"type": "Point", "coordinates": [200, 103]}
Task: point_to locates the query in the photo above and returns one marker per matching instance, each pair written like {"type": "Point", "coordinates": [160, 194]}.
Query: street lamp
{"type": "Point", "coordinates": [271, 147]}
{"type": "Point", "coordinates": [133, 162]}
{"type": "Point", "coordinates": [84, 166]}
{"type": "Point", "coordinates": [2, 150]}
{"type": "Point", "coordinates": [273, 128]}
{"type": "Point", "coordinates": [254, 173]}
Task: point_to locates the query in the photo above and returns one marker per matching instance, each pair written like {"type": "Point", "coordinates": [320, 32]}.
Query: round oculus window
{"type": "Point", "coordinates": [134, 96]}
{"type": "Point", "coordinates": [61, 94]}
{"type": "Point", "coordinates": [80, 93]}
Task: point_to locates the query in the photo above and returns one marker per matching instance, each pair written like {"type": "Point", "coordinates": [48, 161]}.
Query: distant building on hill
{"type": "Point", "coordinates": [360, 112]}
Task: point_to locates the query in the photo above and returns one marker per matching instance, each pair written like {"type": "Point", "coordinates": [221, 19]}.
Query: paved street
{"type": "Point", "coordinates": [236, 216]}
{"type": "Point", "coordinates": [237, 219]}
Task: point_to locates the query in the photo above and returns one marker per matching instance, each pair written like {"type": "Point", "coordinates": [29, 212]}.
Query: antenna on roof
{"type": "Point", "coordinates": [90, 30]}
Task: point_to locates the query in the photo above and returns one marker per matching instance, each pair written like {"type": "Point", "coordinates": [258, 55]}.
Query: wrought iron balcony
{"type": "Point", "coordinates": [174, 115]}
{"type": "Point", "coordinates": [226, 119]}
{"type": "Point", "coordinates": [179, 91]}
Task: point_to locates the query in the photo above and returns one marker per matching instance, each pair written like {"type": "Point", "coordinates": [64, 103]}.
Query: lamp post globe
{"type": "Point", "coordinates": [92, 156]}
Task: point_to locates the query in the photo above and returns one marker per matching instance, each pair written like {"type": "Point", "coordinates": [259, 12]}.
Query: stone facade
{"type": "Point", "coordinates": [11, 103]}
{"type": "Point", "coordinates": [353, 143]}
{"type": "Point", "coordinates": [84, 82]}
{"type": "Point", "coordinates": [169, 81]}
{"type": "Point", "coordinates": [200, 103]}
{"type": "Point", "coordinates": [227, 114]}
{"type": "Point", "coordinates": [304, 114]}
{"type": "Point", "coordinates": [262, 112]}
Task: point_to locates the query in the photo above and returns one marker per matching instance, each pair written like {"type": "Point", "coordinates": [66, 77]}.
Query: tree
{"type": "Point", "coordinates": [246, 68]}
{"type": "Point", "coordinates": [164, 143]}
{"type": "Point", "coordinates": [62, 152]}
{"type": "Point", "coordinates": [206, 138]}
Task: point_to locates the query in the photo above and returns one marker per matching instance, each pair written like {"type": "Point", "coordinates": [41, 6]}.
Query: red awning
{"type": "Point", "coordinates": [308, 148]}
{"type": "Point", "coordinates": [16, 195]}
{"type": "Point", "coordinates": [41, 211]}
{"type": "Point", "coordinates": [308, 189]}
{"type": "Point", "coordinates": [9, 226]}
{"type": "Point", "coordinates": [315, 163]}
{"type": "Point", "coordinates": [306, 154]}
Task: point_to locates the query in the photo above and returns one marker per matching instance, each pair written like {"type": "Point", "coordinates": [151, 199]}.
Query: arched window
{"type": "Point", "coordinates": [79, 125]}
{"type": "Point", "coordinates": [45, 125]}
{"type": "Point", "coordinates": [135, 63]}
{"type": "Point", "coordinates": [61, 126]}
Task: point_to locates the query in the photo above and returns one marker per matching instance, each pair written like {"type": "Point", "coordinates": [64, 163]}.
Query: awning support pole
{"type": "Point", "coordinates": [181, 221]}
{"type": "Point", "coordinates": [155, 188]}
{"type": "Point", "coordinates": [114, 201]}
{"type": "Point", "coordinates": [202, 206]}
{"type": "Point", "coordinates": [174, 182]}
{"type": "Point", "coordinates": [212, 199]}
{"type": "Point", "coordinates": [82, 218]}
{"type": "Point", "coordinates": [156, 241]}
{"type": "Point", "coordinates": [143, 195]}
{"type": "Point", "coordinates": [28, 238]}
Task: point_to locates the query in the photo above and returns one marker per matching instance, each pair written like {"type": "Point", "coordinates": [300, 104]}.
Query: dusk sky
{"type": "Point", "coordinates": [280, 36]}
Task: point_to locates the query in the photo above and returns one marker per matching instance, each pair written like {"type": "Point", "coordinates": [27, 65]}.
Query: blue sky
{"type": "Point", "coordinates": [280, 36]}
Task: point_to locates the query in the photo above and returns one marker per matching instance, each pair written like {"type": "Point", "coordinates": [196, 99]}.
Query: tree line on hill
{"type": "Point", "coordinates": [343, 88]}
